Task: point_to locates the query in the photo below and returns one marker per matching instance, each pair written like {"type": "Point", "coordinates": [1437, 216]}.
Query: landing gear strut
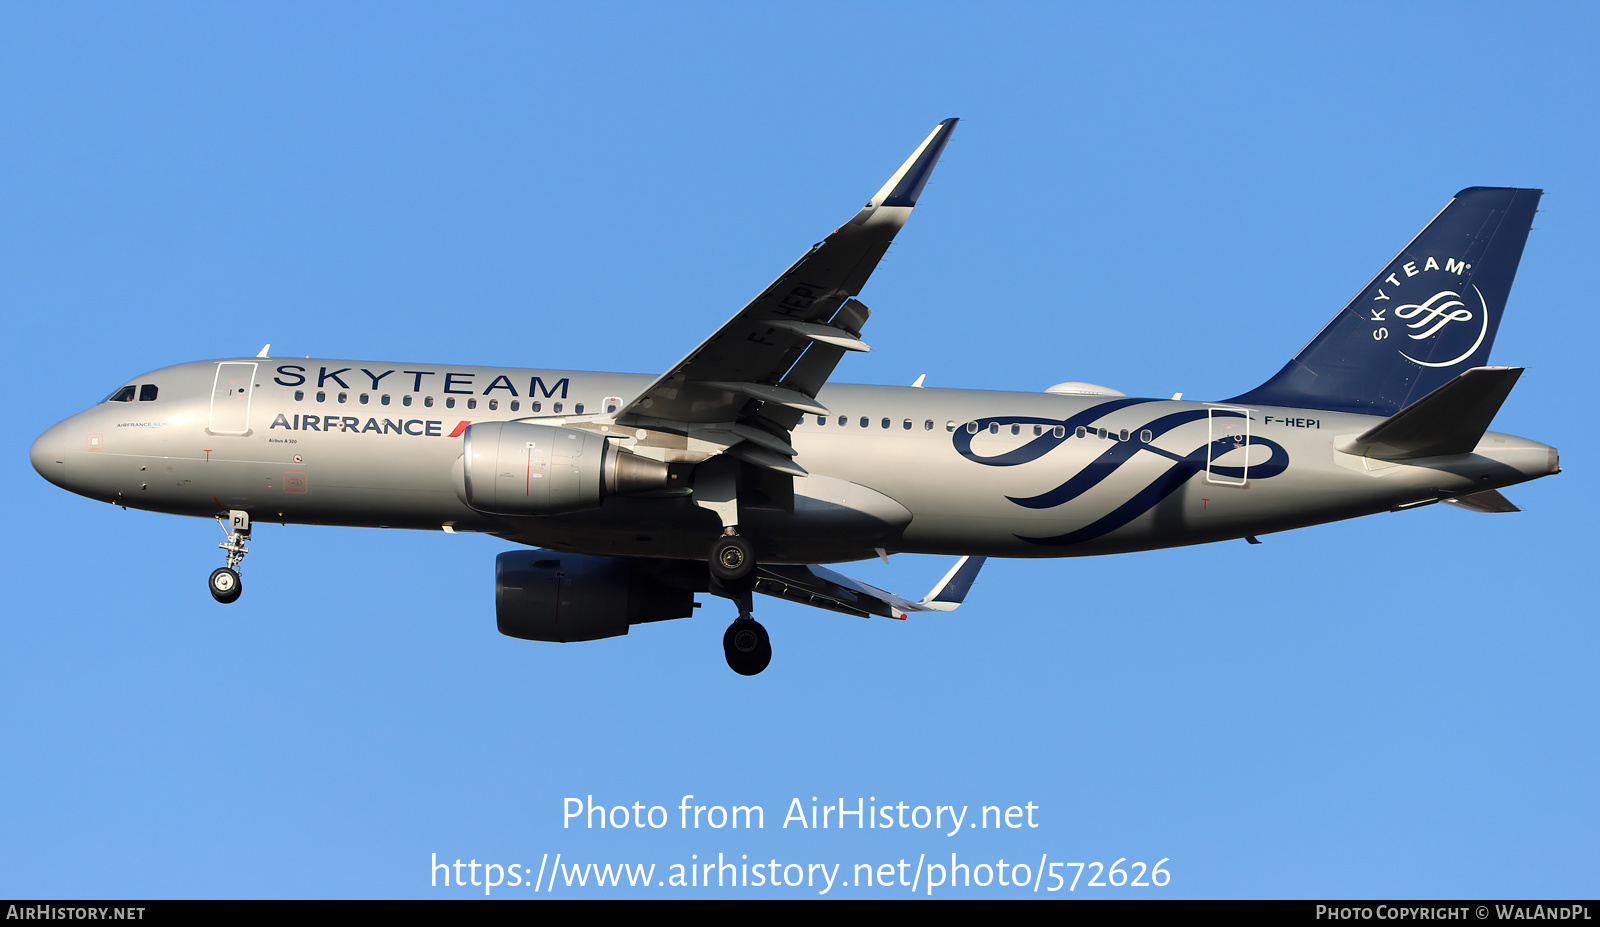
{"type": "Point", "coordinates": [224, 584]}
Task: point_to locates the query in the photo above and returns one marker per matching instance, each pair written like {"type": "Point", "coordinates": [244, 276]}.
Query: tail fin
{"type": "Point", "coordinates": [1429, 315]}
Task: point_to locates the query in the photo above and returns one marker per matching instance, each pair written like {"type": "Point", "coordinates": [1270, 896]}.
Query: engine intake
{"type": "Point", "coordinates": [541, 595]}
{"type": "Point", "coordinates": [517, 468]}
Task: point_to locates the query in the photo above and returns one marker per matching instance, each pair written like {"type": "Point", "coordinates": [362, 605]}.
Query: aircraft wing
{"type": "Point", "coordinates": [823, 588]}
{"type": "Point", "coordinates": [763, 368]}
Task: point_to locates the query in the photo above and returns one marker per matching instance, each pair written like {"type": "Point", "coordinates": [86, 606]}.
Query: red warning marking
{"type": "Point", "coordinates": [217, 501]}
{"type": "Point", "coordinates": [208, 456]}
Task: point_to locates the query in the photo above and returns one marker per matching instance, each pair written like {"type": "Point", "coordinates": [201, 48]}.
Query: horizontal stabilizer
{"type": "Point", "coordinates": [1449, 420]}
{"type": "Point", "coordinates": [1487, 501]}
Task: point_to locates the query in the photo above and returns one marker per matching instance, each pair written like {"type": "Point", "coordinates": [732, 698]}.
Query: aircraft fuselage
{"type": "Point", "coordinates": [922, 470]}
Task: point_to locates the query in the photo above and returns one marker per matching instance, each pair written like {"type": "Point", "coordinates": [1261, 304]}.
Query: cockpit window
{"type": "Point", "coordinates": [147, 392]}
{"type": "Point", "coordinates": [122, 395]}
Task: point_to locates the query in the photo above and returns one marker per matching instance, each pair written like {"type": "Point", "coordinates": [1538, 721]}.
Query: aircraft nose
{"type": "Point", "coordinates": [49, 456]}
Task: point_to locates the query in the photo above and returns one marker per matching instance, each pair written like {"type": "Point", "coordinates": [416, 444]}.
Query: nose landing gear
{"type": "Point", "coordinates": [225, 586]}
{"type": "Point", "coordinates": [224, 583]}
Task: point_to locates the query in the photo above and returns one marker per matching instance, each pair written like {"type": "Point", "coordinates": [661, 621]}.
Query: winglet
{"type": "Point", "coordinates": [906, 185]}
{"type": "Point", "coordinates": [952, 590]}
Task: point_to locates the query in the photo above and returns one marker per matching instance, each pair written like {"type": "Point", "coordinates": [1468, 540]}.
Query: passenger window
{"type": "Point", "coordinates": [405, 400]}
{"type": "Point", "coordinates": [1082, 432]}
{"type": "Point", "coordinates": [576, 410]}
{"type": "Point", "coordinates": [472, 403]}
{"type": "Point", "coordinates": [321, 396]}
{"type": "Point", "coordinates": [343, 396]}
{"type": "Point", "coordinates": [449, 402]}
{"type": "Point", "coordinates": [906, 424]}
{"type": "Point", "coordinates": [822, 420]}
{"type": "Point", "coordinates": [299, 395]}
{"type": "Point", "coordinates": [515, 404]}
{"type": "Point", "coordinates": [994, 428]}
{"type": "Point", "coordinates": [886, 423]}
{"type": "Point", "coordinates": [972, 428]}
{"type": "Point", "coordinates": [1102, 433]}
{"type": "Point", "coordinates": [427, 401]}
{"type": "Point", "coordinates": [147, 392]}
{"type": "Point", "coordinates": [949, 426]}
{"type": "Point", "coordinates": [1016, 429]}
{"type": "Point", "coordinates": [928, 425]}
{"type": "Point", "coordinates": [864, 421]}
{"type": "Point", "coordinates": [494, 404]}
{"type": "Point", "coordinates": [534, 406]}
{"type": "Point", "coordinates": [1147, 436]}
{"type": "Point", "coordinates": [122, 395]}
{"type": "Point", "coordinates": [1122, 435]}
{"type": "Point", "coordinates": [611, 406]}
{"type": "Point", "coordinates": [1060, 431]}
{"type": "Point", "coordinates": [1038, 430]}
{"type": "Point", "coordinates": [384, 399]}
{"type": "Point", "coordinates": [556, 407]}
{"type": "Point", "coordinates": [843, 421]}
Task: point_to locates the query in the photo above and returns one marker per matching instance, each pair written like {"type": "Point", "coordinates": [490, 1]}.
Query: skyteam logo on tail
{"type": "Point", "coordinates": [1448, 319]}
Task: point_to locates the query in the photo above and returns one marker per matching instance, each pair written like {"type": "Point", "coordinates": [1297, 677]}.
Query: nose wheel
{"type": "Point", "coordinates": [747, 646]}
{"type": "Point", "coordinates": [225, 586]}
{"type": "Point", "coordinates": [224, 583]}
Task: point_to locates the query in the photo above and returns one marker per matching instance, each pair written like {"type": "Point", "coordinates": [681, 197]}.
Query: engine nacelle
{"type": "Point", "coordinates": [517, 468]}
{"type": "Point", "coordinates": [542, 595]}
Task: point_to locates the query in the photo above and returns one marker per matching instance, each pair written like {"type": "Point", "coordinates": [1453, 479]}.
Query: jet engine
{"type": "Point", "coordinates": [542, 595]}
{"type": "Point", "coordinates": [516, 468]}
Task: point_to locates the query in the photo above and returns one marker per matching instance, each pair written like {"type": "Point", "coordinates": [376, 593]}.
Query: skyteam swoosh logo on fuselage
{"type": "Point", "coordinates": [1117, 455]}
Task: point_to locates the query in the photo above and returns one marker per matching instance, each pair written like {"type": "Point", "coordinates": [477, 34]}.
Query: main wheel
{"type": "Point", "coordinates": [225, 585]}
{"type": "Point", "coordinates": [733, 561]}
{"type": "Point", "coordinates": [747, 647]}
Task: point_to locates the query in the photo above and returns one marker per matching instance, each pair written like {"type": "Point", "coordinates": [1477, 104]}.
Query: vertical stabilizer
{"type": "Point", "coordinates": [1431, 314]}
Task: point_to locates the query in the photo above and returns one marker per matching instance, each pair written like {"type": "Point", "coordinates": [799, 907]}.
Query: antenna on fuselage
{"type": "Point", "coordinates": [264, 348]}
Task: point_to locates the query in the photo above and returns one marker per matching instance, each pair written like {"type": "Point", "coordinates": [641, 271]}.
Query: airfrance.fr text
{"type": "Point", "coordinates": [923, 875]}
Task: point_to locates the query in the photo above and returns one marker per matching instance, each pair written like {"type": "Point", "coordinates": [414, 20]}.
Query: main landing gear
{"type": "Point", "coordinates": [224, 584]}
{"type": "Point", "coordinates": [733, 576]}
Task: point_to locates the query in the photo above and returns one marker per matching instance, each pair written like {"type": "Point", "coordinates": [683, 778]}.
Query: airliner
{"type": "Point", "coordinates": [742, 469]}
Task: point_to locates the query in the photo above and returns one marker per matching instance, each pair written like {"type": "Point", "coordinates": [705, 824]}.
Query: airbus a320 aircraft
{"type": "Point", "coordinates": [740, 468]}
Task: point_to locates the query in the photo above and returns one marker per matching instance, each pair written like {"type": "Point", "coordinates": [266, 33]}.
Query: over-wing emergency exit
{"type": "Point", "coordinates": [742, 468]}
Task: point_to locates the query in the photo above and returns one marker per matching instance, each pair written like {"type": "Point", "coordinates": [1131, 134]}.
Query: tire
{"type": "Point", "coordinates": [225, 586]}
{"type": "Point", "coordinates": [747, 647]}
{"type": "Point", "coordinates": [733, 561]}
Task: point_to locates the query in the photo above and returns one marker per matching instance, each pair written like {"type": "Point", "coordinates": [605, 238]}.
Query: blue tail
{"type": "Point", "coordinates": [1428, 316]}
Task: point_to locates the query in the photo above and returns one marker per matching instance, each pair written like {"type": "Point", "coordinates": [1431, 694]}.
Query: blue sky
{"type": "Point", "coordinates": [1157, 197]}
